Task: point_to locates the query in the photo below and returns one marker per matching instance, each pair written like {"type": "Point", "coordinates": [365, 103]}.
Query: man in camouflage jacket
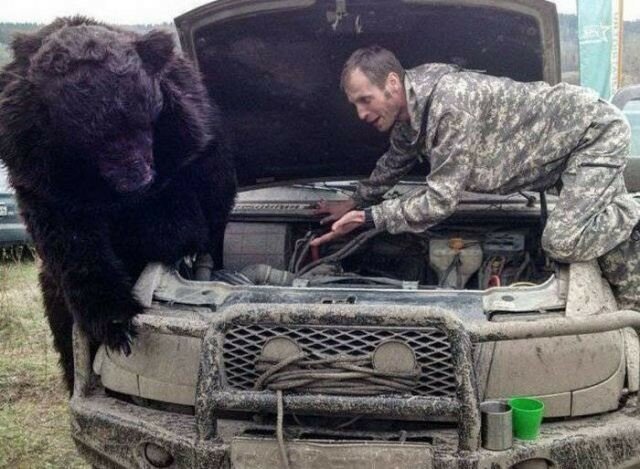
{"type": "Point", "coordinates": [495, 135]}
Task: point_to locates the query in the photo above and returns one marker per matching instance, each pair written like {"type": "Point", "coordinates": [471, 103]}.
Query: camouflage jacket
{"type": "Point", "coordinates": [483, 134]}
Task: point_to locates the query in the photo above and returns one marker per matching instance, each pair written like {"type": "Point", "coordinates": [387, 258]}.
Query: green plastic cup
{"type": "Point", "coordinates": [527, 417]}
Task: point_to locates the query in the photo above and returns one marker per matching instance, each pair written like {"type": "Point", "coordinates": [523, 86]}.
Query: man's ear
{"type": "Point", "coordinates": [393, 82]}
{"type": "Point", "coordinates": [155, 49]}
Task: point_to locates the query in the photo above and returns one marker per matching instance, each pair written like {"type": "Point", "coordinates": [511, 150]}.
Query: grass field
{"type": "Point", "coordinates": [34, 422]}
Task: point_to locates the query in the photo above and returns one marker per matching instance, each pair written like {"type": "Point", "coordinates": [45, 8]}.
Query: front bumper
{"type": "Point", "coordinates": [113, 433]}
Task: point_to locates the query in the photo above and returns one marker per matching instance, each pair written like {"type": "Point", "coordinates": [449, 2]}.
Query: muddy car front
{"type": "Point", "coordinates": [375, 351]}
{"type": "Point", "coordinates": [343, 370]}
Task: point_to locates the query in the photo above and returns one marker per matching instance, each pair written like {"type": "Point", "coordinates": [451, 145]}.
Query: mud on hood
{"type": "Point", "coordinates": [273, 66]}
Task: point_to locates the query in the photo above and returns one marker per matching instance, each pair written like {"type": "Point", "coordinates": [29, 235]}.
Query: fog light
{"type": "Point", "coordinates": [394, 356]}
{"type": "Point", "coordinates": [275, 350]}
{"type": "Point", "coordinates": [157, 456]}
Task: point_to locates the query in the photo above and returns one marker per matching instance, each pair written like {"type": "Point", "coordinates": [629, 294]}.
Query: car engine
{"type": "Point", "coordinates": [450, 257]}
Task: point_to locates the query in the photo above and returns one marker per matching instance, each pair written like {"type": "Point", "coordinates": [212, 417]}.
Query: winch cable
{"type": "Point", "coordinates": [341, 375]}
{"type": "Point", "coordinates": [280, 431]}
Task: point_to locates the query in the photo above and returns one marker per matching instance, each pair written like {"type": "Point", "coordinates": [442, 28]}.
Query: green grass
{"type": "Point", "coordinates": [34, 419]}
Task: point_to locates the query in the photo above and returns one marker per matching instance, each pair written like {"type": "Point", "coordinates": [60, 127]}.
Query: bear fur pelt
{"type": "Point", "coordinates": [118, 159]}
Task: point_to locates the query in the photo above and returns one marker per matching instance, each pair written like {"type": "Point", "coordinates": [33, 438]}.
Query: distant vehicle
{"type": "Point", "coordinates": [14, 239]}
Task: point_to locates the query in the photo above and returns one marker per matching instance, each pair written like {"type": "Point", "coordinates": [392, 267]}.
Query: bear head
{"type": "Point", "coordinates": [114, 103]}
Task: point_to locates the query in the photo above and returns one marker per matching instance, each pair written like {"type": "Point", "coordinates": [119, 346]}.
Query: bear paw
{"type": "Point", "coordinates": [117, 335]}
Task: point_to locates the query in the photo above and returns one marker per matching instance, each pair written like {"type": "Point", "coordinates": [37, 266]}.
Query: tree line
{"type": "Point", "coordinates": [568, 45]}
{"type": "Point", "coordinates": [7, 30]}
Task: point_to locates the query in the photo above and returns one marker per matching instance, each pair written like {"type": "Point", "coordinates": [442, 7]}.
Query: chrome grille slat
{"type": "Point", "coordinates": [242, 345]}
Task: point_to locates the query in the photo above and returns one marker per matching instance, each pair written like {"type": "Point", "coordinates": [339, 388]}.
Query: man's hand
{"type": "Point", "coordinates": [349, 222]}
{"type": "Point", "coordinates": [335, 209]}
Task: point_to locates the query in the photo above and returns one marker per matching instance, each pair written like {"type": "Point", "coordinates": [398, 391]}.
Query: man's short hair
{"type": "Point", "coordinates": [375, 62]}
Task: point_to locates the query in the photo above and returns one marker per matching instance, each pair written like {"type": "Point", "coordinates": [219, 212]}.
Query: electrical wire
{"type": "Point", "coordinates": [348, 249]}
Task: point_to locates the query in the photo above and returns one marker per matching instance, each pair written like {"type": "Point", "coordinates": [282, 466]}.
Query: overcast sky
{"type": "Point", "coordinates": [157, 11]}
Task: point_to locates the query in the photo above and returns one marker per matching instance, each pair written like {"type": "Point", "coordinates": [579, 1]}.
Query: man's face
{"type": "Point", "coordinates": [378, 107]}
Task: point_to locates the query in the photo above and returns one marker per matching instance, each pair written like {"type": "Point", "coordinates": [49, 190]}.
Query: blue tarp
{"type": "Point", "coordinates": [598, 35]}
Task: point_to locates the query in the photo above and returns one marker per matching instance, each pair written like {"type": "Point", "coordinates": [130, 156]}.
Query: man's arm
{"type": "Point", "coordinates": [396, 162]}
{"type": "Point", "coordinates": [452, 159]}
{"type": "Point", "coordinates": [452, 162]}
{"type": "Point", "coordinates": [391, 166]}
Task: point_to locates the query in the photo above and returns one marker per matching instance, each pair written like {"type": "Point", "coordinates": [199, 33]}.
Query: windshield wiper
{"type": "Point", "coordinates": [346, 189]}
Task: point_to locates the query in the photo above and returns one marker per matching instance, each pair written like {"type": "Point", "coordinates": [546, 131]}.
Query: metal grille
{"type": "Point", "coordinates": [242, 346]}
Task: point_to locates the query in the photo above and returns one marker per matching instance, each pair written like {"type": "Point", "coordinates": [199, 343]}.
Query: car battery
{"type": "Point", "coordinates": [248, 243]}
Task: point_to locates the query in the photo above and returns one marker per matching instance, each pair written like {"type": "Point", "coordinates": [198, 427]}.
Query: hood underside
{"type": "Point", "coordinates": [274, 66]}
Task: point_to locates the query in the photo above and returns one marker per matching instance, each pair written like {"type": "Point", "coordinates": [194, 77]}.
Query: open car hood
{"type": "Point", "coordinates": [273, 66]}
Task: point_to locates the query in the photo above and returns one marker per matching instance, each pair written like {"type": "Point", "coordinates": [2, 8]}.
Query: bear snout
{"type": "Point", "coordinates": [126, 175]}
{"type": "Point", "coordinates": [129, 183]}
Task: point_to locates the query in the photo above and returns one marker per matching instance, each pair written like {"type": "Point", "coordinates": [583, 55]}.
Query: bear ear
{"type": "Point", "coordinates": [25, 45]}
{"type": "Point", "coordinates": [155, 49]}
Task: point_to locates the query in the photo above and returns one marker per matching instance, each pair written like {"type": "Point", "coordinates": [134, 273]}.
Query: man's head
{"type": "Point", "coordinates": [372, 79]}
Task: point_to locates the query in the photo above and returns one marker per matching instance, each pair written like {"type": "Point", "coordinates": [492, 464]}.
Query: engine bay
{"type": "Point", "coordinates": [453, 256]}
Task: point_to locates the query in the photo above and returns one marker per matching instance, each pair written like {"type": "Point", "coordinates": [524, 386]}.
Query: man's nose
{"type": "Point", "coordinates": [362, 113]}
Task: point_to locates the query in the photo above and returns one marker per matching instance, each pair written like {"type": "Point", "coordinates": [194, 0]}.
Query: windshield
{"type": "Point", "coordinates": [568, 27]}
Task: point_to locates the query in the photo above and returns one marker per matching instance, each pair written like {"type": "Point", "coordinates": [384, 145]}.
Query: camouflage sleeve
{"type": "Point", "coordinates": [452, 161]}
{"type": "Point", "coordinates": [392, 165]}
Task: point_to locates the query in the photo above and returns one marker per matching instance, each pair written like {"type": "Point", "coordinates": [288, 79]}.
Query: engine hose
{"type": "Point", "coordinates": [263, 274]}
{"type": "Point", "coordinates": [203, 266]}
